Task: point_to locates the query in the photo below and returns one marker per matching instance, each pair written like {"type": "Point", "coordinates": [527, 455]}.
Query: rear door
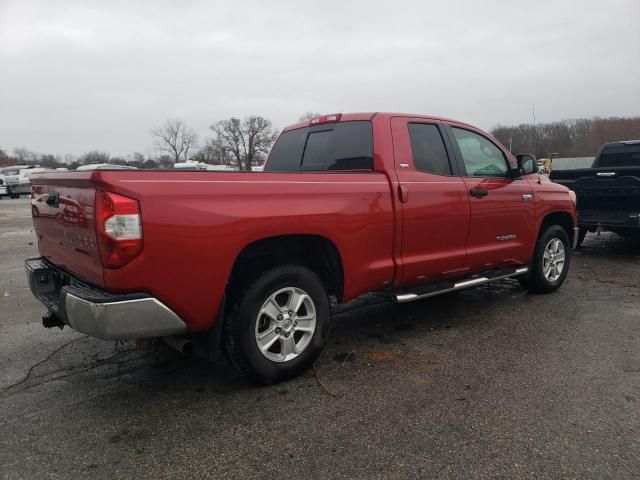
{"type": "Point", "coordinates": [434, 202]}
{"type": "Point", "coordinates": [502, 226]}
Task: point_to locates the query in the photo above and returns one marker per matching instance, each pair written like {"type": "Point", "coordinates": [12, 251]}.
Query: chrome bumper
{"type": "Point", "coordinates": [576, 234]}
{"type": "Point", "coordinates": [97, 313]}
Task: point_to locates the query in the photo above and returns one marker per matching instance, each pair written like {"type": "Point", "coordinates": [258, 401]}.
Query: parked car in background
{"type": "Point", "coordinates": [608, 192]}
{"type": "Point", "coordinates": [3, 187]}
{"type": "Point", "coordinates": [409, 205]}
{"type": "Point", "coordinates": [15, 180]}
{"type": "Point", "coordinates": [103, 166]}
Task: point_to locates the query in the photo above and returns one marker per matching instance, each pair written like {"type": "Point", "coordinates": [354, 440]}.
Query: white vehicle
{"type": "Point", "coordinates": [3, 187]}
{"type": "Point", "coordinates": [193, 165]}
{"type": "Point", "coordinates": [103, 166]}
{"type": "Point", "coordinates": [15, 180]}
{"type": "Point", "coordinates": [190, 165]}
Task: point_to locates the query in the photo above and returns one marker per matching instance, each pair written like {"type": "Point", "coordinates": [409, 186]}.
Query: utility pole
{"type": "Point", "coordinates": [535, 129]}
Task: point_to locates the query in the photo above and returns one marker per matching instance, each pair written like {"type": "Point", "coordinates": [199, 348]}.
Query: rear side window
{"type": "Point", "coordinates": [620, 156]}
{"type": "Point", "coordinates": [336, 146]}
{"type": "Point", "coordinates": [429, 152]}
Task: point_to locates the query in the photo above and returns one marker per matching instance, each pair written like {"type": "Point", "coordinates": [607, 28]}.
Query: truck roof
{"type": "Point", "coordinates": [349, 117]}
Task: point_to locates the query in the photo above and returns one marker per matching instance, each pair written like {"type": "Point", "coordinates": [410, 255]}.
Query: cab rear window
{"type": "Point", "coordinates": [334, 146]}
{"type": "Point", "coordinates": [620, 156]}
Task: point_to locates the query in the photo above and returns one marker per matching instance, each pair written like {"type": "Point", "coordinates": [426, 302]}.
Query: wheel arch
{"type": "Point", "coordinates": [316, 252]}
{"type": "Point", "coordinates": [564, 219]}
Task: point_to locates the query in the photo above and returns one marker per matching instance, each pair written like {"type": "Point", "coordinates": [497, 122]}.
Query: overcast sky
{"type": "Point", "coordinates": [81, 75]}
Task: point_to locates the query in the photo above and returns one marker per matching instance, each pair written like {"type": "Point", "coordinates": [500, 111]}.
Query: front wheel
{"type": "Point", "coordinates": [279, 326]}
{"type": "Point", "coordinates": [550, 262]}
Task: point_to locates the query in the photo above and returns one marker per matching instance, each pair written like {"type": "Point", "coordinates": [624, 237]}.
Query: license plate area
{"type": "Point", "coordinates": [46, 282]}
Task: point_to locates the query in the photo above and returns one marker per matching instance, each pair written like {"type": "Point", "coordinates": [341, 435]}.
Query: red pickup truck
{"type": "Point", "coordinates": [411, 205]}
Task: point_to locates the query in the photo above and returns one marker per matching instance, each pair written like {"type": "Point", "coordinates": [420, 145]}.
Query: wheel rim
{"type": "Point", "coordinates": [553, 259]}
{"type": "Point", "coordinates": [285, 325]}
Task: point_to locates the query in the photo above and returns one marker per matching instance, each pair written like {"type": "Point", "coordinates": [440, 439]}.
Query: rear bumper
{"type": "Point", "coordinates": [610, 219]}
{"type": "Point", "coordinates": [97, 313]}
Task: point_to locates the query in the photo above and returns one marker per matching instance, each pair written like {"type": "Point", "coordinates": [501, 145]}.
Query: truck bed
{"type": "Point", "coordinates": [199, 222]}
{"type": "Point", "coordinates": [608, 197]}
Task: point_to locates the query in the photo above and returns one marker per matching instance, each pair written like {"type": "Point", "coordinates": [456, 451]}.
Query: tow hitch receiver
{"type": "Point", "coordinates": [51, 320]}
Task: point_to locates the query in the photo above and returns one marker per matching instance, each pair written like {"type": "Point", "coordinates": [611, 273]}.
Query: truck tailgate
{"type": "Point", "coordinates": [610, 196]}
{"type": "Point", "coordinates": [62, 206]}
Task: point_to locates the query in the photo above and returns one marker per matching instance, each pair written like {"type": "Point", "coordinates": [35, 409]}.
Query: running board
{"type": "Point", "coordinates": [474, 282]}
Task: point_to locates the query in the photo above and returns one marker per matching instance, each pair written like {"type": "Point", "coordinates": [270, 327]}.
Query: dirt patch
{"type": "Point", "coordinates": [381, 356]}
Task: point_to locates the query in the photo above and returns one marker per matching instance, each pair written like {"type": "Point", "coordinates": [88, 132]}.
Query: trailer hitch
{"type": "Point", "coordinates": [51, 320]}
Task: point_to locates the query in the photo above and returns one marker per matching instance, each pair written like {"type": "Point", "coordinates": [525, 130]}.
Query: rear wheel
{"type": "Point", "coordinates": [550, 262]}
{"type": "Point", "coordinates": [280, 325]}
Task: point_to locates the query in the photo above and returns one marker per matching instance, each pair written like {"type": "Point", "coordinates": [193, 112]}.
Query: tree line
{"type": "Point", "coordinates": [239, 143]}
{"type": "Point", "coordinates": [581, 137]}
{"type": "Point", "coordinates": [243, 143]}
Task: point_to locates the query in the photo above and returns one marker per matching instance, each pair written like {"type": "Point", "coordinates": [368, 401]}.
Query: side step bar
{"type": "Point", "coordinates": [474, 282]}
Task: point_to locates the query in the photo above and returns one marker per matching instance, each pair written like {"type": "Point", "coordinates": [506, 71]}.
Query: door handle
{"type": "Point", "coordinates": [403, 193]}
{"type": "Point", "coordinates": [478, 192]}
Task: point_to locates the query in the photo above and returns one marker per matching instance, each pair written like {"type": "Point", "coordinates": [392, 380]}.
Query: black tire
{"type": "Point", "coordinates": [535, 281]}
{"type": "Point", "coordinates": [240, 331]}
{"type": "Point", "coordinates": [582, 233]}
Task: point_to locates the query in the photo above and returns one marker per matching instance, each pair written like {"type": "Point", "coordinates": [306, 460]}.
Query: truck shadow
{"type": "Point", "coordinates": [370, 330]}
{"type": "Point", "coordinates": [610, 245]}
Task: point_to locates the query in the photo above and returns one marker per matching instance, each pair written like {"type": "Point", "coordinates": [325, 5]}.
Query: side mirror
{"type": "Point", "coordinates": [527, 164]}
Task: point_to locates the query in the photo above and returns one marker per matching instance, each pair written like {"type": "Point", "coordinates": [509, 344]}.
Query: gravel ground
{"type": "Point", "coordinates": [486, 383]}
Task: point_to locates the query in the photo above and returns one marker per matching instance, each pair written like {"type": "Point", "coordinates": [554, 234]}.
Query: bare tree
{"type": "Point", "coordinates": [24, 155]}
{"type": "Point", "coordinates": [575, 137]}
{"type": "Point", "coordinates": [212, 153]}
{"type": "Point", "coordinates": [309, 116]}
{"type": "Point", "coordinates": [246, 142]}
{"type": "Point", "coordinates": [94, 156]}
{"type": "Point", "coordinates": [175, 139]}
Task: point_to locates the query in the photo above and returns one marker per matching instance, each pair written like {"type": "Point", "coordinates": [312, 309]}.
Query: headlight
{"type": "Point", "coordinates": [572, 196]}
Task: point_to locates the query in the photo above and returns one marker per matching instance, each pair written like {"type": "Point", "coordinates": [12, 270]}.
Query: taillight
{"type": "Point", "coordinates": [119, 228]}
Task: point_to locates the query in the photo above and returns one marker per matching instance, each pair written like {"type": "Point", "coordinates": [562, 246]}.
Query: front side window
{"type": "Point", "coordinates": [481, 157]}
{"type": "Point", "coordinates": [429, 152]}
{"type": "Point", "coordinates": [335, 146]}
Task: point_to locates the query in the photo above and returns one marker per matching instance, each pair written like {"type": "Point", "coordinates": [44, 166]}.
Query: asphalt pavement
{"type": "Point", "coordinates": [486, 383]}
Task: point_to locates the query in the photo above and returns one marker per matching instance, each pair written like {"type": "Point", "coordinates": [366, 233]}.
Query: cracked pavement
{"type": "Point", "coordinates": [485, 383]}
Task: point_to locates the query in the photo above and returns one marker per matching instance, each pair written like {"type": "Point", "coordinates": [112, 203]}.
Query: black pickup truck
{"type": "Point", "coordinates": [608, 192]}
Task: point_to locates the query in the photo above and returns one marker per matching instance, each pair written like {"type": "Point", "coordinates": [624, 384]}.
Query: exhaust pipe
{"type": "Point", "coordinates": [180, 343]}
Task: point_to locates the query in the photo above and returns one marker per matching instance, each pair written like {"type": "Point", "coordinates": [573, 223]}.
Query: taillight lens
{"type": "Point", "coordinates": [119, 228]}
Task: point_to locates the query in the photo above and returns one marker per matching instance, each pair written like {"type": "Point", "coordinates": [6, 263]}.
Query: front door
{"type": "Point", "coordinates": [433, 200]}
{"type": "Point", "coordinates": [502, 208]}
